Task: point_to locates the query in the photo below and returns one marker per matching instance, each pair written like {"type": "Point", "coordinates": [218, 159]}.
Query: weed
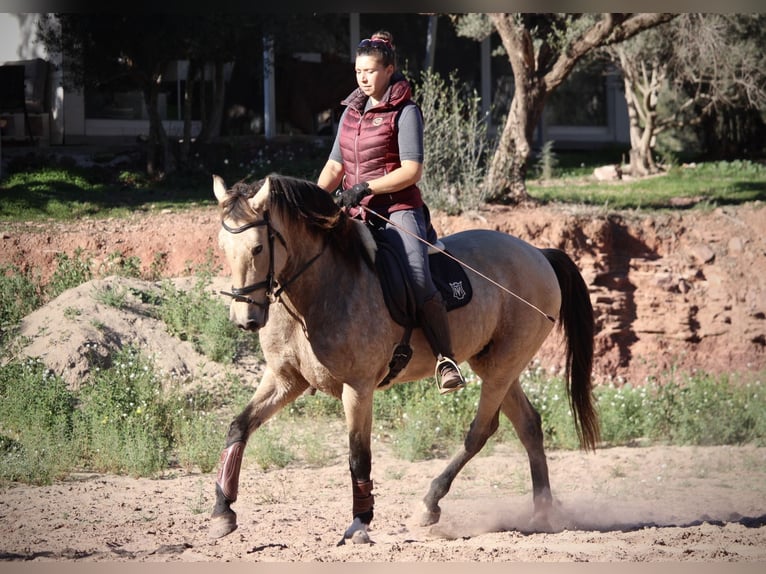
{"type": "Point", "coordinates": [546, 162]}
{"type": "Point", "coordinates": [36, 424]}
{"type": "Point", "coordinates": [201, 318]}
{"type": "Point", "coordinates": [199, 439]}
{"type": "Point", "coordinates": [158, 265]}
{"type": "Point", "coordinates": [72, 313]}
{"type": "Point", "coordinates": [125, 418]}
{"type": "Point", "coordinates": [70, 272]}
{"type": "Point", "coordinates": [118, 264]}
{"type": "Point", "coordinates": [456, 143]}
{"type": "Point", "coordinates": [200, 503]}
{"type": "Point", "coordinates": [113, 296]}
{"type": "Point", "coordinates": [268, 450]}
{"type": "Point", "coordinates": [20, 294]}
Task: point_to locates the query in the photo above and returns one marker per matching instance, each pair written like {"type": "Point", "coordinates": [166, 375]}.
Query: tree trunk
{"type": "Point", "coordinates": [641, 97]}
{"type": "Point", "coordinates": [212, 125]}
{"type": "Point", "coordinates": [191, 76]}
{"type": "Point", "coordinates": [158, 160]}
{"type": "Point", "coordinates": [507, 174]}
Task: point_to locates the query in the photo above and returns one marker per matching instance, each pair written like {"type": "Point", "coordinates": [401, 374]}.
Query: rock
{"type": "Point", "coordinates": [608, 173]}
{"type": "Point", "coordinates": [702, 253]}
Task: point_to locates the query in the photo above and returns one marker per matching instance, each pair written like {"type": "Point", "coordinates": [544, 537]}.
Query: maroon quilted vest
{"type": "Point", "coordinates": [369, 147]}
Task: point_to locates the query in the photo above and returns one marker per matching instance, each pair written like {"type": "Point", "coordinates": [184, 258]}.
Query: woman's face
{"type": "Point", "coordinates": [372, 76]}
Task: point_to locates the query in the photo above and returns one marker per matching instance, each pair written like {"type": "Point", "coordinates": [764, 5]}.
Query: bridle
{"type": "Point", "coordinates": [240, 294]}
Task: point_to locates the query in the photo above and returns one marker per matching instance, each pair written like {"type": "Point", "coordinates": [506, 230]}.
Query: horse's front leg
{"type": "Point", "coordinates": [357, 406]}
{"type": "Point", "coordinates": [271, 395]}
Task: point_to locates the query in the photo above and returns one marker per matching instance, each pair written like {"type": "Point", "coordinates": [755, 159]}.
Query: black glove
{"type": "Point", "coordinates": [353, 195]}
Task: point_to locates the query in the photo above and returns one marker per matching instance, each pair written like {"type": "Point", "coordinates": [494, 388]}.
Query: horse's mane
{"type": "Point", "coordinates": [299, 201]}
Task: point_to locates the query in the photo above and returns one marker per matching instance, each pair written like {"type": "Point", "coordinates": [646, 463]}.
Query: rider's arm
{"type": "Point", "coordinates": [331, 175]}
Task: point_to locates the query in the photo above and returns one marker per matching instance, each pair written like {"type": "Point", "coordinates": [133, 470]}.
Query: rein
{"type": "Point", "coordinates": [240, 294]}
{"type": "Point", "coordinates": [480, 274]}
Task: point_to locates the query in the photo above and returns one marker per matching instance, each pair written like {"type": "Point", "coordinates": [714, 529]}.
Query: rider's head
{"type": "Point", "coordinates": [375, 64]}
{"type": "Point", "coordinates": [381, 46]}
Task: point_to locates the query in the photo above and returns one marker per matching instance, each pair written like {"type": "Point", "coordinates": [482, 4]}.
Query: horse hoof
{"type": "Point", "coordinates": [430, 517]}
{"type": "Point", "coordinates": [539, 523]}
{"type": "Point", "coordinates": [222, 524]}
{"type": "Point", "coordinates": [360, 537]}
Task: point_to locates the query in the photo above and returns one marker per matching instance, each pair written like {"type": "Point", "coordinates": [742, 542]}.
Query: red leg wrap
{"type": "Point", "coordinates": [228, 472]}
{"type": "Point", "coordinates": [363, 497]}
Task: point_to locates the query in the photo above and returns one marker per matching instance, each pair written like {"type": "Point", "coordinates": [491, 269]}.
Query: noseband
{"type": "Point", "coordinates": [240, 294]}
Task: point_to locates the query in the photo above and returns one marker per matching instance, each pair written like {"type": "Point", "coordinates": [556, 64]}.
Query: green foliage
{"type": "Point", "coordinates": [697, 410]}
{"type": "Point", "coordinates": [705, 410]}
{"type": "Point", "coordinates": [123, 419]}
{"type": "Point", "coordinates": [70, 272]}
{"type": "Point", "coordinates": [269, 448]}
{"type": "Point", "coordinates": [455, 143]}
{"type": "Point", "coordinates": [423, 424]}
{"type": "Point", "coordinates": [118, 264]}
{"type": "Point", "coordinates": [548, 395]}
{"type": "Point", "coordinates": [36, 424]}
{"type": "Point", "coordinates": [546, 162]}
{"type": "Point", "coordinates": [112, 296]}
{"type": "Point", "coordinates": [200, 317]}
{"type": "Point", "coordinates": [126, 417]}
{"type": "Point", "coordinates": [199, 439]}
{"type": "Point", "coordinates": [20, 294]}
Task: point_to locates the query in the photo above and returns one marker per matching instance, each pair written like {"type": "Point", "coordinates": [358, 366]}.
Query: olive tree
{"type": "Point", "coordinates": [543, 49]}
{"type": "Point", "coordinates": [679, 73]}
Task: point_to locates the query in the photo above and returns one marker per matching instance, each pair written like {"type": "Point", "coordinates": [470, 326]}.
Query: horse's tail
{"type": "Point", "coordinates": [576, 319]}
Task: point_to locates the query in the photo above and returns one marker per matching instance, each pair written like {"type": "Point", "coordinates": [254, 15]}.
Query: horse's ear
{"type": "Point", "coordinates": [259, 200]}
{"type": "Point", "coordinates": [219, 188]}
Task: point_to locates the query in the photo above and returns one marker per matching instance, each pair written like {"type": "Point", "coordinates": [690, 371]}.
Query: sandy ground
{"type": "Point", "coordinates": [643, 504]}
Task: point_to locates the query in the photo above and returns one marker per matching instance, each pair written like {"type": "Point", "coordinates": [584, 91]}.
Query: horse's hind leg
{"type": "Point", "coordinates": [483, 426]}
{"type": "Point", "coordinates": [526, 420]}
{"type": "Point", "coordinates": [269, 398]}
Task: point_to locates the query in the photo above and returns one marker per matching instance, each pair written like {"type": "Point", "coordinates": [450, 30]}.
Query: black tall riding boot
{"type": "Point", "coordinates": [433, 320]}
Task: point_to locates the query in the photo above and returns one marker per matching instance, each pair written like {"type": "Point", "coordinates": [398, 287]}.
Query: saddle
{"type": "Point", "coordinates": [448, 276]}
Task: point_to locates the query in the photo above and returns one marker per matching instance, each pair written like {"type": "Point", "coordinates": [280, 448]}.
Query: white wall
{"type": "Point", "coordinates": [18, 37]}
{"type": "Point", "coordinates": [19, 41]}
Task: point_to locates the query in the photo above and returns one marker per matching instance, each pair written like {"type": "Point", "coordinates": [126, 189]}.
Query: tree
{"type": "Point", "coordinates": [133, 52]}
{"type": "Point", "coordinates": [687, 71]}
{"type": "Point", "coordinates": [122, 50]}
{"type": "Point", "coordinates": [542, 50]}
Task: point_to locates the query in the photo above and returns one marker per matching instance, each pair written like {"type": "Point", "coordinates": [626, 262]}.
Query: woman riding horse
{"type": "Point", "coordinates": [302, 277]}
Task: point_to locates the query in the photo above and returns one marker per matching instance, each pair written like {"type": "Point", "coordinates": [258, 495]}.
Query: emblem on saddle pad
{"type": "Point", "coordinates": [457, 290]}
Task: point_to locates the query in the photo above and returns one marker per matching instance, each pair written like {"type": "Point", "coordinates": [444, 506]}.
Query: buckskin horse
{"type": "Point", "coordinates": [302, 276]}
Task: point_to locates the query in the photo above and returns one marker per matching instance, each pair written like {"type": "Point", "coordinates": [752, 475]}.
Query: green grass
{"type": "Point", "coordinates": [45, 188]}
{"type": "Point", "coordinates": [706, 185]}
{"type": "Point", "coordinates": [198, 316]}
{"type": "Point", "coordinates": [39, 190]}
{"type": "Point", "coordinates": [697, 409]}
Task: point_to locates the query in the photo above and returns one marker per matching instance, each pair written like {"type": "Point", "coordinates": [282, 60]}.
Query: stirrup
{"type": "Point", "coordinates": [437, 375]}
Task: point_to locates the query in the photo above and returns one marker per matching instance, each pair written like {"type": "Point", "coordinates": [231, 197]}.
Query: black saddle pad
{"type": "Point", "coordinates": [448, 276]}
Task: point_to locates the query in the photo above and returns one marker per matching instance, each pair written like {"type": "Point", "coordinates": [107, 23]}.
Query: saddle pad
{"type": "Point", "coordinates": [448, 276]}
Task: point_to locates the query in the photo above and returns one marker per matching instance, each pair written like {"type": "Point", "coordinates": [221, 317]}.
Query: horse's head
{"type": "Point", "coordinates": [260, 221]}
{"type": "Point", "coordinates": [253, 247]}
